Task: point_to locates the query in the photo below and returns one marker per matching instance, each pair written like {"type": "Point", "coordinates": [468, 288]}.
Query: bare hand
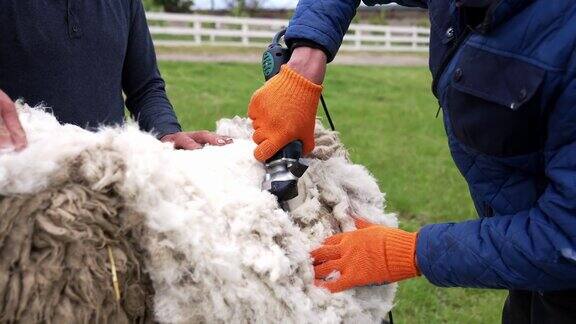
{"type": "Point", "coordinates": [195, 140]}
{"type": "Point", "coordinates": [309, 63]}
{"type": "Point", "coordinates": [12, 135]}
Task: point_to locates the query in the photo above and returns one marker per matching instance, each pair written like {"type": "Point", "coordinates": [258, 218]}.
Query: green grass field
{"type": "Point", "coordinates": [386, 117]}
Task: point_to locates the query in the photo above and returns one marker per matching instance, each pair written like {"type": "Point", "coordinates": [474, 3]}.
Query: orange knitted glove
{"type": "Point", "coordinates": [370, 255]}
{"type": "Point", "coordinates": [284, 110]}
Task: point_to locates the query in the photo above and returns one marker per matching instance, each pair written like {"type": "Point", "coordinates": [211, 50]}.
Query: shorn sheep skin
{"type": "Point", "coordinates": [189, 235]}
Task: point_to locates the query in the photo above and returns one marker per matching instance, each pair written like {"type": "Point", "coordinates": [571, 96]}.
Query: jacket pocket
{"type": "Point", "coordinates": [494, 103]}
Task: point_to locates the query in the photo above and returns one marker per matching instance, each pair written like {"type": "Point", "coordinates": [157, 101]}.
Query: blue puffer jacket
{"type": "Point", "coordinates": [508, 92]}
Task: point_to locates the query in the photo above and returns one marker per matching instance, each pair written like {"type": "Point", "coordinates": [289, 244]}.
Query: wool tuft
{"type": "Point", "coordinates": [192, 235]}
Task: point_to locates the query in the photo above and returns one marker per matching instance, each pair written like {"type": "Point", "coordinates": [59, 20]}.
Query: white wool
{"type": "Point", "coordinates": [222, 250]}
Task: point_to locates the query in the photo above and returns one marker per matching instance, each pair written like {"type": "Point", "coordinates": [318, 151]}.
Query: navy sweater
{"type": "Point", "coordinates": [79, 57]}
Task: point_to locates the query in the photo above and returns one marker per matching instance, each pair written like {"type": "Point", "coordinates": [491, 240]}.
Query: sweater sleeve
{"type": "Point", "coordinates": [534, 249]}
{"type": "Point", "coordinates": [325, 22]}
{"type": "Point", "coordinates": [145, 91]}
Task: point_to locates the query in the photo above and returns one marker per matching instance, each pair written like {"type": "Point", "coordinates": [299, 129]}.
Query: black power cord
{"type": "Point", "coordinates": [327, 113]}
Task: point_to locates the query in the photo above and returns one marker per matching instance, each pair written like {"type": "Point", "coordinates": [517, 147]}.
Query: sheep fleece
{"type": "Point", "coordinates": [192, 235]}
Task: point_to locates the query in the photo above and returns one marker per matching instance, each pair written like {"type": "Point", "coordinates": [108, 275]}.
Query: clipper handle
{"type": "Point", "coordinates": [275, 56]}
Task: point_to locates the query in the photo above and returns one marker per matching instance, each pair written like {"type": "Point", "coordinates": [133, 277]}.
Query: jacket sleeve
{"type": "Point", "coordinates": [325, 22]}
{"type": "Point", "coordinates": [534, 249]}
{"type": "Point", "coordinates": [141, 81]}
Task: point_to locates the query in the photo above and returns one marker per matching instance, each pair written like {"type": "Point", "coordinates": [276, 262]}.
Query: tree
{"type": "Point", "coordinates": [244, 7]}
{"type": "Point", "coordinates": [176, 5]}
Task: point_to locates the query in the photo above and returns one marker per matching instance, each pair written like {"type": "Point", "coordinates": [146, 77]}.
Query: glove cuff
{"type": "Point", "coordinates": [401, 254]}
{"type": "Point", "coordinates": [297, 85]}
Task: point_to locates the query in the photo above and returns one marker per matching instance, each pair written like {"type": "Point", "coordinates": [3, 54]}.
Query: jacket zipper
{"type": "Point", "coordinates": [447, 58]}
{"type": "Point", "coordinates": [450, 53]}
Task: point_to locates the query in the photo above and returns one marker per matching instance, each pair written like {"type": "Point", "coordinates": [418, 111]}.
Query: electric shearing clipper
{"type": "Point", "coordinates": [285, 167]}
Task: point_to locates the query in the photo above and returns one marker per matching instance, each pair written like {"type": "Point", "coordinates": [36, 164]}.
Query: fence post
{"type": "Point", "coordinates": [198, 32]}
{"type": "Point", "coordinates": [217, 26]}
{"type": "Point", "coordinates": [387, 36]}
{"type": "Point", "coordinates": [358, 42]}
{"type": "Point", "coordinates": [414, 37]}
{"type": "Point", "coordinates": [245, 40]}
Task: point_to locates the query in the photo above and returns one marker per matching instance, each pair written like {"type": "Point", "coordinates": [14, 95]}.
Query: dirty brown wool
{"type": "Point", "coordinates": [54, 264]}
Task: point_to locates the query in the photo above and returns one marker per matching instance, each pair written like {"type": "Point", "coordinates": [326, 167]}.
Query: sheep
{"type": "Point", "coordinates": [115, 226]}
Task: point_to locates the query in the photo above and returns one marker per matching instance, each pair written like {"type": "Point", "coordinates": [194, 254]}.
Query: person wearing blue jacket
{"type": "Point", "coordinates": [504, 74]}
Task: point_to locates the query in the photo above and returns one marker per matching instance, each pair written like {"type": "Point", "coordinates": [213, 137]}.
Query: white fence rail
{"type": "Point", "coordinates": [175, 30]}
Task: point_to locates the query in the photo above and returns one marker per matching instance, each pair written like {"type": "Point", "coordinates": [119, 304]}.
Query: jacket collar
{"type": "Point", "coordinates": [498, 11]}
